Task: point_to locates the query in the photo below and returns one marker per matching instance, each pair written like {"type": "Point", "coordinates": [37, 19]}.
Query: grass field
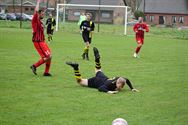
{"type": "Point", "coordinates": [161, 75]}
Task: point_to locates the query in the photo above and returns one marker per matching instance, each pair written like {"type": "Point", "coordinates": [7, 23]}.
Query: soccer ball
{"type": "Point", "coordinates": [119, 121]}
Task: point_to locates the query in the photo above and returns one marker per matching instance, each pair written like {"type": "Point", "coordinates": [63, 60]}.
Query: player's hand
{"type": "Point", "coordinates": [112, 92]}
{"type": "Point", "coordinates": [135, 90]}
{"type": "Point", "coordinates": [88, 29]}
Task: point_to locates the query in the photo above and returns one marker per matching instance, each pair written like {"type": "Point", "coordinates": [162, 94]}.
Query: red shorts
{"type": "Point", "coordinates": [42, 49]}
{"type": "Point", "coordinates": [140, 40]}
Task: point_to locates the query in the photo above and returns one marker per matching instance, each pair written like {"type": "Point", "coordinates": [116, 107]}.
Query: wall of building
{"type": "Point", "coordinates": [168, 19]}
{"type": "Point", "coordinates": [25, 9]}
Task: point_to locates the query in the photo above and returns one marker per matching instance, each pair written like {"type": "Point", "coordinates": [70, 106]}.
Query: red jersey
{"type": "Point", "coordinates": [139, 29]}
{"type": "Point", "coordinates": [38, 29]}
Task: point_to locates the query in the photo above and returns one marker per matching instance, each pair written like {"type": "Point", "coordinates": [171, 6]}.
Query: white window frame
{"type": "Point", "coordinates": [181, 19]}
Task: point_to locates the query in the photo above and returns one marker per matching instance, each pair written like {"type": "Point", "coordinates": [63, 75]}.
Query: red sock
{"type": "Point", "coordinates": [48, 63]}
{"type": "Point", "coordinates": [41, 61]}
{"type": "Point", "coordinates": [138, 49]}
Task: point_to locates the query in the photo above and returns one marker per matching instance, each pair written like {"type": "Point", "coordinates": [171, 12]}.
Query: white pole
{"type": "Point", "coordinates": [57, 17]}
{"type": "Point", "coordinates": [86, 5]}
{"type": "Point", "coordinates": [64, 14]}
{"type": "Point", "coordinates": [125, 29]}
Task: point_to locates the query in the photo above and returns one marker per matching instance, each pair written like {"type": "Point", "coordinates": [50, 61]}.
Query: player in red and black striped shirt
{"type": "Point", "coordinates": [39, 41]}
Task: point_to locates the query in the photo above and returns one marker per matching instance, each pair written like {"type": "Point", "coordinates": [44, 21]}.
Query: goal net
{"type": "Point", "coordinates": [107, 18]}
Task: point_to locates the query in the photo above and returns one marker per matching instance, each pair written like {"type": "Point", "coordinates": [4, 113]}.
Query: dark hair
{"type": "Point", "coordinates": [40, 11]}
{"type": "Point", "coordinates": [89, 14]}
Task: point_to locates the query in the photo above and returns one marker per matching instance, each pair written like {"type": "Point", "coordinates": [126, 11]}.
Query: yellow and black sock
{"type": "Point", "coordinates": [86, 52]}
{"type": "Point", "coordinates": [77, 75]}
{"type": "Point", "coordinates": [97, 64]}
{"type": "Point", "coordinates": [48, 38]}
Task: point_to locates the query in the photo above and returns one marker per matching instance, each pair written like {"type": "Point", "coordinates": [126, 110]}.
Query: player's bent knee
{"type": "Point", "coordinates": [83, 82]}
{"type": "Point", "coordinates": [97, 70]}
{"type": "Point", "coordinates": [139, 45]}
{"type": "Point", "coordinates": [47, 58]}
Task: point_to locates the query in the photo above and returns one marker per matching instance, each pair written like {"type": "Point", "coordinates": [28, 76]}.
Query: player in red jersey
{"type": "Point", "coordinates": [139, 29]}
{"type": "Point", "coordinates": [39, 41]}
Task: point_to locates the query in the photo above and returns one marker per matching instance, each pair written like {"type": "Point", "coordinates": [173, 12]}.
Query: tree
{"type": "Point", "coordinates": [13, 4]}
{"type": "Point", "coordinates": [124, 1]}
{"type": "Point", "coordinates": [138, 13]}
{"type": "Point", "coordinates": [134, 4]}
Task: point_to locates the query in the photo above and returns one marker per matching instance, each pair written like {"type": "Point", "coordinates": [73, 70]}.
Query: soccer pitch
{"type": "Point", "coordinates": [161, 75]}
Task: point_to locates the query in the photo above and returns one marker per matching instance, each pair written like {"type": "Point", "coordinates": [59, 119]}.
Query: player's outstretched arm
{"type": "Point", "coordinates": [37, 6]}
{"type": "Point", "coordinates": [147, 28]}
{"type": "Point", "coordinates": [135, 90]}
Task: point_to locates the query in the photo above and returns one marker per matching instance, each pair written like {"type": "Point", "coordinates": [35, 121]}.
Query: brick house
{"type": "Point", "coordinates": [165, 12]}
{"type": "Point", "coordinates": [107, 15]}
{"type": "Point", "coordinates": [27, 6]}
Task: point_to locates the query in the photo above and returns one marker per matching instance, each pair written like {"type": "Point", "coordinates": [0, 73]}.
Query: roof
{"type": "Point", "coordinates": [18, 3]}
{"type": "Point", "coordinates": [96, 2]}
{"type": "Point", "coordinates": [165, 6]}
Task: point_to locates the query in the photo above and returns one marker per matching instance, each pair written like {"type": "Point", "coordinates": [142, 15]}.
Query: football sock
{"type": "Point", "coordinates": [48, 63]}
{"type": "Point", "coordinates": [76, 70]}
{"type": "Point", "coordinates": [97, 58]}
{"type": "Point", "coordinates": [97, 64]}
{"type": "Point", "coordinates": [48, 38]}
{"type": "Point", "coordinates": [138, 49]}
{"type": "Point", "coordinates": [86, 52]}
{"type": "Point", "coordinates": [40, 62]}
{"type": "Point", "coordinates": [77, 74]}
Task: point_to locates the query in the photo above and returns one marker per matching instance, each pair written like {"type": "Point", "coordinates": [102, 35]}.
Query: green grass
{"type": "Point", "coordinates": [160, 75]}
{"type": "Point", "coordinates": [108, 29]}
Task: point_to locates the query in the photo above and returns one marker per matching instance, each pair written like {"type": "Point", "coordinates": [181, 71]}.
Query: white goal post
{"type": "Point", "coordinates": [86, 5]}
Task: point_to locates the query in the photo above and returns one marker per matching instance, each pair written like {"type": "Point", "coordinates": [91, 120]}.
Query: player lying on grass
{"type": "Point", "coordinates": [39, 41]}
{"type": "Point", "coordinates": [100, 81]}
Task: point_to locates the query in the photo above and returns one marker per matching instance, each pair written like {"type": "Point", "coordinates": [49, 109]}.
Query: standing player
{"type": "Point", "coordinates": [87, 28]}
{"type": "Point", "coordinates": [50, 22]}
{"type": "Point", "coordinates": [100, 81]}
{"type": "Point", "coordinates": [139, 29]}
{"type": "Point", "coordinates": [39, 41]}
{"type": "Point", "coordinates": [82, 18]}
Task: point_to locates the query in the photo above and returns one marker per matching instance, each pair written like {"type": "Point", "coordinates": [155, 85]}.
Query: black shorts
{"type": "Point", "coordinates": [50, 31]}
{"type": "Point", "coordinates": [86, 37]}
{"type": "Point", "coordinates": [98, 80]}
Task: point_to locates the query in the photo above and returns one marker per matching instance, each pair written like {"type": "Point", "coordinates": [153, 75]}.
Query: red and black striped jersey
{"type": "Point", "coordinates": [38, 29]}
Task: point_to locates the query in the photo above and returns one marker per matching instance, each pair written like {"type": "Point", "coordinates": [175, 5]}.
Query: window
{"type": "Point", "coordinates": [181, 19]}
{"type": "Point", "coordinates": [105, 15]}
{"type": "Point", "coordinates": [32, 9]}
{"type": "Point", "coordinates": [151, 18]}
{"type": "Point", "coordinates": [173, 19]}
{"type": "Point", "coordinates": [76, 13]}
{"type": "Point", "coordinates": [26, 9]}
{"type": "Point", "coordinates": [161, 20]}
